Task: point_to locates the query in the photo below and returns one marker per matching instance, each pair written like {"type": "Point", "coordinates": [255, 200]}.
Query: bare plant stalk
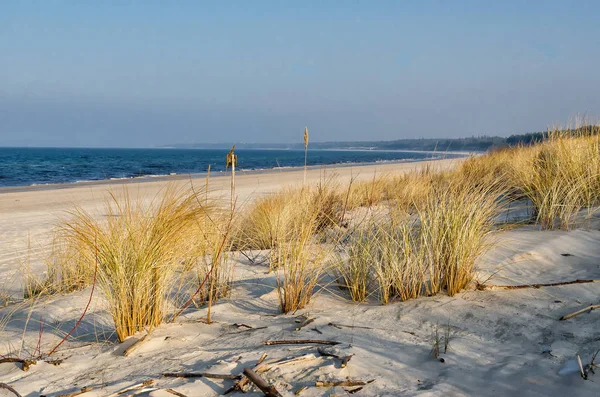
{"type": "Point", "coordinates": [305, 152]}
{"type": "Point", "coordinates": [84, 311]}
{"type": "Point", "coordinates": [215, 261]}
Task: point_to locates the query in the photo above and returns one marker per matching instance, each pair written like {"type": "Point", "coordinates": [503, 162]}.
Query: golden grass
{"type": "Point", "coordinates": [434, 227]}
{"type": "Point", "coordinates": [137, 248]}
{"type": "Point", "coordinates": [560, 177]}
{"type": "Point", "coordinates": [433, 249]}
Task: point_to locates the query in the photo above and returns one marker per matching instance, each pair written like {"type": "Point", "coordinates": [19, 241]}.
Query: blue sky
{"type": "Point", "coordinates": [133, 73]}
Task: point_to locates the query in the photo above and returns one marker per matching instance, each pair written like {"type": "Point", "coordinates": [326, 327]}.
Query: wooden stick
{"type": "Point", "coordinates": [482, 287]}
{"type": "Point", "coordinates": [293, 360]}
{"type": "Point", "coordinates": [176, 393]}
{"type": "Point", "coordinates": [578, 312]}
{"type": "Point", "coordinates": [10, 389]}
{"type": "Point", "coordinates": [25, 364]}
{"type": "Point", "coordinates": [200, 375]}
{"type": "Point", "coordinates": [344, 360]}
{"type": "Point", "coordinates": [305, 323]}
{"type": "Point", "coordinates": [347, 326]}
{"type": "Point", "coordinates": [130, 388]}
{"type": "Point", "coordinates": [348, 382]}
{"type": "Point", "coordinates": [301, 342]}
{"type": "Point", "coordinates": [76, 393]}
{"type": "Point", "coordinates": [353, 390]}
{"type": "Point", "coordinates": [244, 380]}
{"type": "Point", "coordinates": [269, 391]}
{"type": "Point", "coordinates": [583, 374]}
{"type": "Point", "coordinates": [134, 345]}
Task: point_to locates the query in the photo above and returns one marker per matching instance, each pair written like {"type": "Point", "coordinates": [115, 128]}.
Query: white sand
{"type": "Point", "coordinates": [503, 342]}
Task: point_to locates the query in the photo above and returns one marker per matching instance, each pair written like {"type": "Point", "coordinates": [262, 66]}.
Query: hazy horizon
{"type": "Point", "coordinates": [150, 74]}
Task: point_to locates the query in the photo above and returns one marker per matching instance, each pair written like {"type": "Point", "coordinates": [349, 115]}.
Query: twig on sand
{"type": "Point", "coordinates": [348, 382]}
{"type": "Point", "coordinates": [200, 375]}
{"type": "Point", "coordinates": [583, 373]}
{"type": "Point", "coordinates": [244, 380]}
{"type": "Point", "coordinates": [77, 393]}
{"type": "Point", "coordinates": [10, 389]}
{"type": "Point", "coordinates": [268, 390]}
{"type": "Point", "coordinates": [25, 364]}
{"type": "Point", "coordinates": [578, 312]}
{"type": "Point", "coordinates": [293, 360]}
{"type": "Point", "coordinates": [135, 345]}
{"type": "Point", "coordinates": [317, 330]}
{"type": "Point", "coordinates": [483, 287]}
{"type": "Point", "coordinates": [130, 388]}
{"type": "Point", "coordinates": [344, 360]}
{"type": "Point", "coordinates": [176, 393]}
{"type": "Point", "coordinates": [305, 323]}
{"type": "Point", "coordinates": [301, 342]}
{"type": "Point", "coordinates": [353, 390]}
{"type": "Point", "coordinates": [339, 326]}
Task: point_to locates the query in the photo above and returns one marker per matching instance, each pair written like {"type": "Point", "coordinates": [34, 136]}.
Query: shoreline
{"type": "Point", "coordinates": [214, 174]}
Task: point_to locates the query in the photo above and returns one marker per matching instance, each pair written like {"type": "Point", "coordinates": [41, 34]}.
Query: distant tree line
{"type": "Point", "coordinates": [471, 144]}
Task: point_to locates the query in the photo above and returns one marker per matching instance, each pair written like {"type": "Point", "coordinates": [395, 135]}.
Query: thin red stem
{"type": "Point", "coordinates": [84, 311]}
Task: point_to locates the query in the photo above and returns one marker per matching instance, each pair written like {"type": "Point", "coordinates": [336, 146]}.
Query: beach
{"type": "Point", "coordinates": [500, 341]}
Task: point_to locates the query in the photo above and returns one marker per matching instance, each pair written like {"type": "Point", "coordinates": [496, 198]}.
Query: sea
{"type": "Point", "coordinates": [46, 166]}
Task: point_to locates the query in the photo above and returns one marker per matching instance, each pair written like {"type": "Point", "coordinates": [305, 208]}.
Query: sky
{"type": "Point", "coordinates": [123, 73]}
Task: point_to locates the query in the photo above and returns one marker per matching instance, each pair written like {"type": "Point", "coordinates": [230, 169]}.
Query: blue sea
{"type": "Point", "coordinates": [41, 166]}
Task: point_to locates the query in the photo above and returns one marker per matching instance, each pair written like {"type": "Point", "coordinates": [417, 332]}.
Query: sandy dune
{"type": "Point", "coordinates": [502, 342]}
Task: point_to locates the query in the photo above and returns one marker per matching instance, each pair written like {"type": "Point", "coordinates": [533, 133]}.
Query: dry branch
{"type": "Point", "coordinates": [269, 391]}
{"type": "Point", "coordinates": [176, 393]}
{"type": "Point", "coordinates": [200, 375]}
{"type": "Point", "coordinates": [77, 393]}
{"type": "Point", "coordinates": [301, 342]}
{"type": "Point", "coordinates": [482, 287]}
{"type": "Point", "coordinates": [134, 345]}
{"type": "Point", "coordinates": [344, 360]}
{"type": "Point", "coordinates": [10, 389]}
{"type": "Point", "coordinates": [339, 326]}
{"type": "Point", "coordinates": [244, 380]}
{"type": "Point", "coordinates": [578, 312]}
{"type": "Point", "coordinates": [25, 364]}
{"type": "Point", "coordinates": [304, 324]}
{"type": "Point", "coordinates": [347, 382]}
{"type": "Point", "coordinates": [130, 388]}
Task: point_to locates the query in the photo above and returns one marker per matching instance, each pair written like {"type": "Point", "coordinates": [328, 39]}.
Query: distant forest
{"type": "Point", "coordinates": [472, 144]}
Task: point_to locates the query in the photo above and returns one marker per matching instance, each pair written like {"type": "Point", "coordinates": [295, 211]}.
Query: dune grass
{"type": "Point", "coordinates": [408, 254]}
{"type": "Point", "coordinates": [424, 233]}
{"type": "Point", "coordinates": [137, 248]}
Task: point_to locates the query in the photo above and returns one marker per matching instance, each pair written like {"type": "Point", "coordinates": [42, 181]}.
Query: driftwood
{"type": "Point", "coordinates": [10, 389]}
{"type": "Point", "coordinates": [482, 287]}
{"type": "Point", "coordinates": [134, 345]}
{"type": "Point", "coordinates": [25, 364]}
{"type": "Point", "coordinates": [578, 312]}
{"type": "Point", "coordinates": [347, 382]}
{"type": "Point", "coordinates": [339, 326]}
{"type": "Point", "coordinates": [354, 390]}
{"type": "Point", "coordinates": [305, 323]}
{"type": "Point", "coordinates": [344, 360]}
{"type": "Point", "coordinates": [268, 390]}
{"type": "Point", "coordinates": [199, 375]}
{"type": "Point", "coordinates": [301, 342]}
{"type": "Point", "coordinates": [244, 380]}
{"type": "Point", "coordinates": [130, 388]}
{"type": "Point", "coordinates": [77, 393]}
{"type": "Point", "coordinates": [293, 360]}
{"type": "Point", "coordinates": [176, 393]}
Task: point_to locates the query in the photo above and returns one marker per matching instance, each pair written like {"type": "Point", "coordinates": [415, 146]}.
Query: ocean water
{"type": "Point", "coordinates": [38, 166]}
